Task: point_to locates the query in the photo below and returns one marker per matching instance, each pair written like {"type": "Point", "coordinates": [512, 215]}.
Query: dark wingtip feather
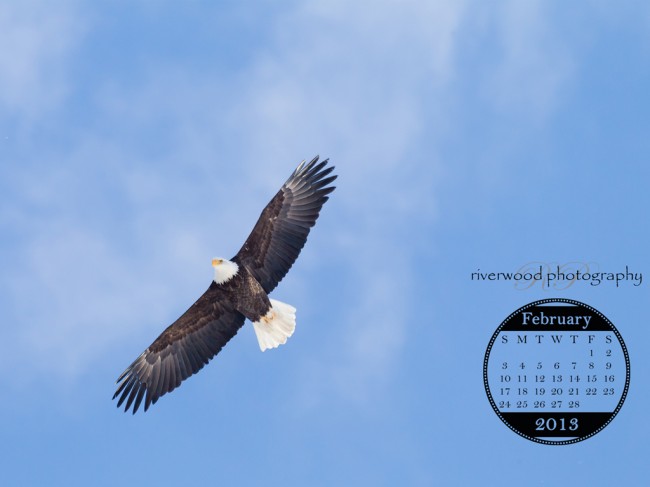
{"type": "Point", "coordinates": [147, 400]}
{"type": "Point", "coordinates": [124, 389]}
{"type": "Point", "coordinates": [134, 392]}
{"type": "Point", "coordinates": [325, 172]}
{"type": "Point", "coordinates": [138, 399]}
{"type": "Point", "coordinates": [322, 183]}
{"type": "Point", "coordinates": [313, 170]}
{"type": "Point", "coordinates": [303, 167]}
{"type": "Point", "coordinates": [311, 175]}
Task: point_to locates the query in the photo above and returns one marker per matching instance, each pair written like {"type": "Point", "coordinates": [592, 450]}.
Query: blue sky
{"type": "Point", "coordinates": [139, 139]}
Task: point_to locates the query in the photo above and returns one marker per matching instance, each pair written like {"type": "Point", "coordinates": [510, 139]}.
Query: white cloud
{"type": "Point", "coordinates": [536, 60]}
{"type": "Point", "coordinates": [362, 85]}
{"type": "Point", "coordinates": [37, 43]}
{"type": "Point", "coordinates": [297, 99]}
{"type": "Point", "coordinates": [354, 81]}
{"type": "Point", "coordinates": [75, 293]}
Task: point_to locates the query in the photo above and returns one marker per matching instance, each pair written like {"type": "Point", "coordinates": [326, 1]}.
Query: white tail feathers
{"type": "Point", "coordinates": [276, 326]}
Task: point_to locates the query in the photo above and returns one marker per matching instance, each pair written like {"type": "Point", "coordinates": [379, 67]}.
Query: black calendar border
{"type": "Point", "coordinates": [575, 303]}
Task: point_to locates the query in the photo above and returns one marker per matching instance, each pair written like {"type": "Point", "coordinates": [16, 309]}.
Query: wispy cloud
{"type": "Point", "coordinates": [535, 61]}
{"type": "Point", "coordinates": [115, 235]}
{"type": "Point", "coordinates": [355, 81]}
{"type": "Point", "coordinates": [37, 44]}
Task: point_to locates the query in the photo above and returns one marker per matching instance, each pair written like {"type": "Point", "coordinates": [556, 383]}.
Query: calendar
{"type": "Point", "coordinates": [556, 371]}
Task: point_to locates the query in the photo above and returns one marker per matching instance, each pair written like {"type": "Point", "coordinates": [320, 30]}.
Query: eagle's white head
{"type": "Point", "coordinates": [224, 270]}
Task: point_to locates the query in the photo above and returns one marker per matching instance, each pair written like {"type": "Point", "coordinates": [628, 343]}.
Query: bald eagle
{"type": "Point", "coordinates": [239, 290]}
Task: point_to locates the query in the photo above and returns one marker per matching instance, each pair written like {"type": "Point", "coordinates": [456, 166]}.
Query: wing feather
{"type": "Point", "coordinates": [180, 351]}
{"type": "Point", "coordinates": [154, 381]}
{"type": "Point", "coordinates": [282, 229]}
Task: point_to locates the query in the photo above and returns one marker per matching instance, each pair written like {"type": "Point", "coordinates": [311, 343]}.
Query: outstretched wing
{"type": "Point", "coordinates": [180, 351]}
{"type": "Point", "coordinates": [281, 231]}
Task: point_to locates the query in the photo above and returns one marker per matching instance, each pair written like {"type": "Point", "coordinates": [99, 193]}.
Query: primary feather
{"type": "Point", "coordinates": [282, 229]}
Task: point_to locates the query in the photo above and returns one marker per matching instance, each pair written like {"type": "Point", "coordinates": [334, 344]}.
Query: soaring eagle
{"type": "Point", "coordinates": [238, 291]}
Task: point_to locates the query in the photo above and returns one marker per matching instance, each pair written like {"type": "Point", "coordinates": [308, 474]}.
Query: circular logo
{"type": "Point", "coordinates": [556, 371]}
